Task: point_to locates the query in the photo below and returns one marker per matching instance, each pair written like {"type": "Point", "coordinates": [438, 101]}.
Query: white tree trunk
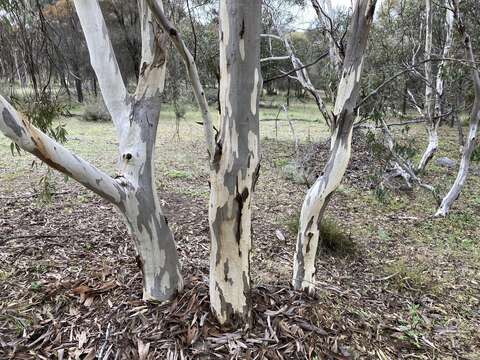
{"type": "Point", "coordinates": [432, 123]}
{"type": "Point", "coordinates": [136, 119]}
{"type": "Point", "coordinates": [445, 53]}
{"type": "Point", "coordinates": [325, 15]}
{"type": "Point", "coordinates": [236, 161]}
{"type": "Point", "coordinates": [319, 194]}
{"type": "Point", "coordinates": [470, 143]}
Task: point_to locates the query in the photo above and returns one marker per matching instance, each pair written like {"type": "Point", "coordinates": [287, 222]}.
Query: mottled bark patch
{"type": "Point", "coordinates": [11, 123]}
{"type": "Point", "coordinates": [240, 199]}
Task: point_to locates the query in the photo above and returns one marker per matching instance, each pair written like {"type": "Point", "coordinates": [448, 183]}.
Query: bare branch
{"type": "Point", "coordinates": [30, 139]}
{"type": "Point", "coordinates": [156, 7]}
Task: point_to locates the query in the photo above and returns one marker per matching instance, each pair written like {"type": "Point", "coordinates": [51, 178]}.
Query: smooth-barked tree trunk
{"type": "Point", "coordinates": [236, 161]}
{"type": "Point", "coordinates": [319, 194]}
{"type": "Point", "coordinates": [441, 73]}
{"type": "Point", "coordinates": [470, 142]}
{"type": "Point", "coordinates": [432, 124]}
{"type": "Point", "coordinates": [233, 154]}
{"type": "Point", "coordinates": [135, 117]}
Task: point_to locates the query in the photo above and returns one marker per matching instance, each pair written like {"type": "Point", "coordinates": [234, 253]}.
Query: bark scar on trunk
{"type": "Point", "coordinates": [242, 30]}
{"type": "Point", "coordinates": [240, 198]}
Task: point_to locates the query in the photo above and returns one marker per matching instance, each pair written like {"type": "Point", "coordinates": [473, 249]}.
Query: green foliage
{"type": "Point", "coordinates": [42, 113]}
{"type": "Point", "coordinates": [381, 194]}
{"type": "Point", "coordinates": [292, 223]}
{"type": "Point", "coordinates": [411, 327]}
{"type": "Point", "coordinates": [35, 286]}
{"type": "Point", "coordinates": [178, 174]}
{"type": "Point", "coordinates": [47, 187]}
{"type": "Point", "coordinates": [405, 276]}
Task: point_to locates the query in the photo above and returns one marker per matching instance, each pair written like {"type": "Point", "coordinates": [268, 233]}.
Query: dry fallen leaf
{"type": "Point", "coordinates": [82, 290]}
{"type": "Point", "coordinates": [142, 349]}
{"type": "Point", "coordinates": [82, 339]}
{"type": "Point", "coordinates": [279, 235]}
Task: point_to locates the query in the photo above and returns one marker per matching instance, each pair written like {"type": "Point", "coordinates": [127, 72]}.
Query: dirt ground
{"type": "Point", "coordinates": [70, 287]}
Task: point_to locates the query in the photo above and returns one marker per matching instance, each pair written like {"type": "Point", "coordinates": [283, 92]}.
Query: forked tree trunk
{"type": "Point", "coordinates": [432, 123]}
{"type": "Point", "coordinates": [319, 194]}
{"type": "Point", "coordinates": [236, 162]}
{"type": "Point", "coordinates": [135, 118]}
{"type": "Point", "coordinates": [470, 143]}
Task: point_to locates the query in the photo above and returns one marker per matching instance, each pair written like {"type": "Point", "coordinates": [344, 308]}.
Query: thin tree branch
{"type": "Point", "coordinates": [157, 9]}
{"type": "Point", "coordinates": [30, 139]}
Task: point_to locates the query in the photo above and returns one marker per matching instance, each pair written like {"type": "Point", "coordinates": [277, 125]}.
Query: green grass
{"type": "Point", "coordinates": [333, 238]}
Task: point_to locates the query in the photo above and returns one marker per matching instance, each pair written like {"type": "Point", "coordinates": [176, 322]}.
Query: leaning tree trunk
{"type": "Point", "coordinates": [236, 162]}
{"type": "Point", "coordinates": [432, 123]}
{"type": "Point", "coordinates": [319, 194]}
{"type": "Point", "coordinates": [470, 143]}
{"type": "Point", "coordinates": [135, 118]}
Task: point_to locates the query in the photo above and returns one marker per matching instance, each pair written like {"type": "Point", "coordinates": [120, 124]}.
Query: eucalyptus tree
{"type": "Point", "coordinates": [432, 124]}
{"type": "Point", "coordinates": [319, 194]}
{"type": "Point", "coordinates": [234, 153]}
{"type": "Point", "coordinates": [135, 117]}
{"type": "Point", "coordinates": [470, 142]}
{"type": "Point", "coordinates": [434, 87]}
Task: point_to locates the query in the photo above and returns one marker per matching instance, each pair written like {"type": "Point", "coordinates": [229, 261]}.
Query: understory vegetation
{"type": "Point", "coordinates": [389, 268]}
{"type": "Point", "coordinates": [239, 179]}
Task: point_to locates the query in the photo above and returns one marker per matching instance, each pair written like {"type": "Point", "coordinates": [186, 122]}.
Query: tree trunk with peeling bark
{"type": "Point", "coordinates": [135, 117]}
{"type": "Point", "coordinates": [470, 142]}
{"type": "Point", "coordinates": [236, 161]}
{"type": "Point", "coordinates": [319, 194]}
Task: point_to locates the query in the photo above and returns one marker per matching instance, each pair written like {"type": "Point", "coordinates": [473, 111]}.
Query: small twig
{"type": "Point", "coordinates": [38, 236]}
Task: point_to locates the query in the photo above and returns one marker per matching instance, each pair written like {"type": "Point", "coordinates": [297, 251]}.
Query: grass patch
{"type": "Point", "coordinates": [333, 239]}
{"type": "Point", "coordinates": [403, 276]}
{"type": "Point", "coordinates": [178, 174]}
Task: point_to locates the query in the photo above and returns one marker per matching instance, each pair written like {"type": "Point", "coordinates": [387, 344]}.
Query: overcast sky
{"type": "Point", "coordinates": [307, 16]}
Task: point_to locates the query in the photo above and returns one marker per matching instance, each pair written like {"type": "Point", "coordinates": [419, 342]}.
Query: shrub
{"type": "Point", "coordinates": [96, 111]}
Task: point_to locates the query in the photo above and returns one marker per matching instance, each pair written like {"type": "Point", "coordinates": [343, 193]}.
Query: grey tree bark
{"type": "Point", "coordinates": [320, 193]}
{"type": "Point", "coordinates": [233, 154]}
